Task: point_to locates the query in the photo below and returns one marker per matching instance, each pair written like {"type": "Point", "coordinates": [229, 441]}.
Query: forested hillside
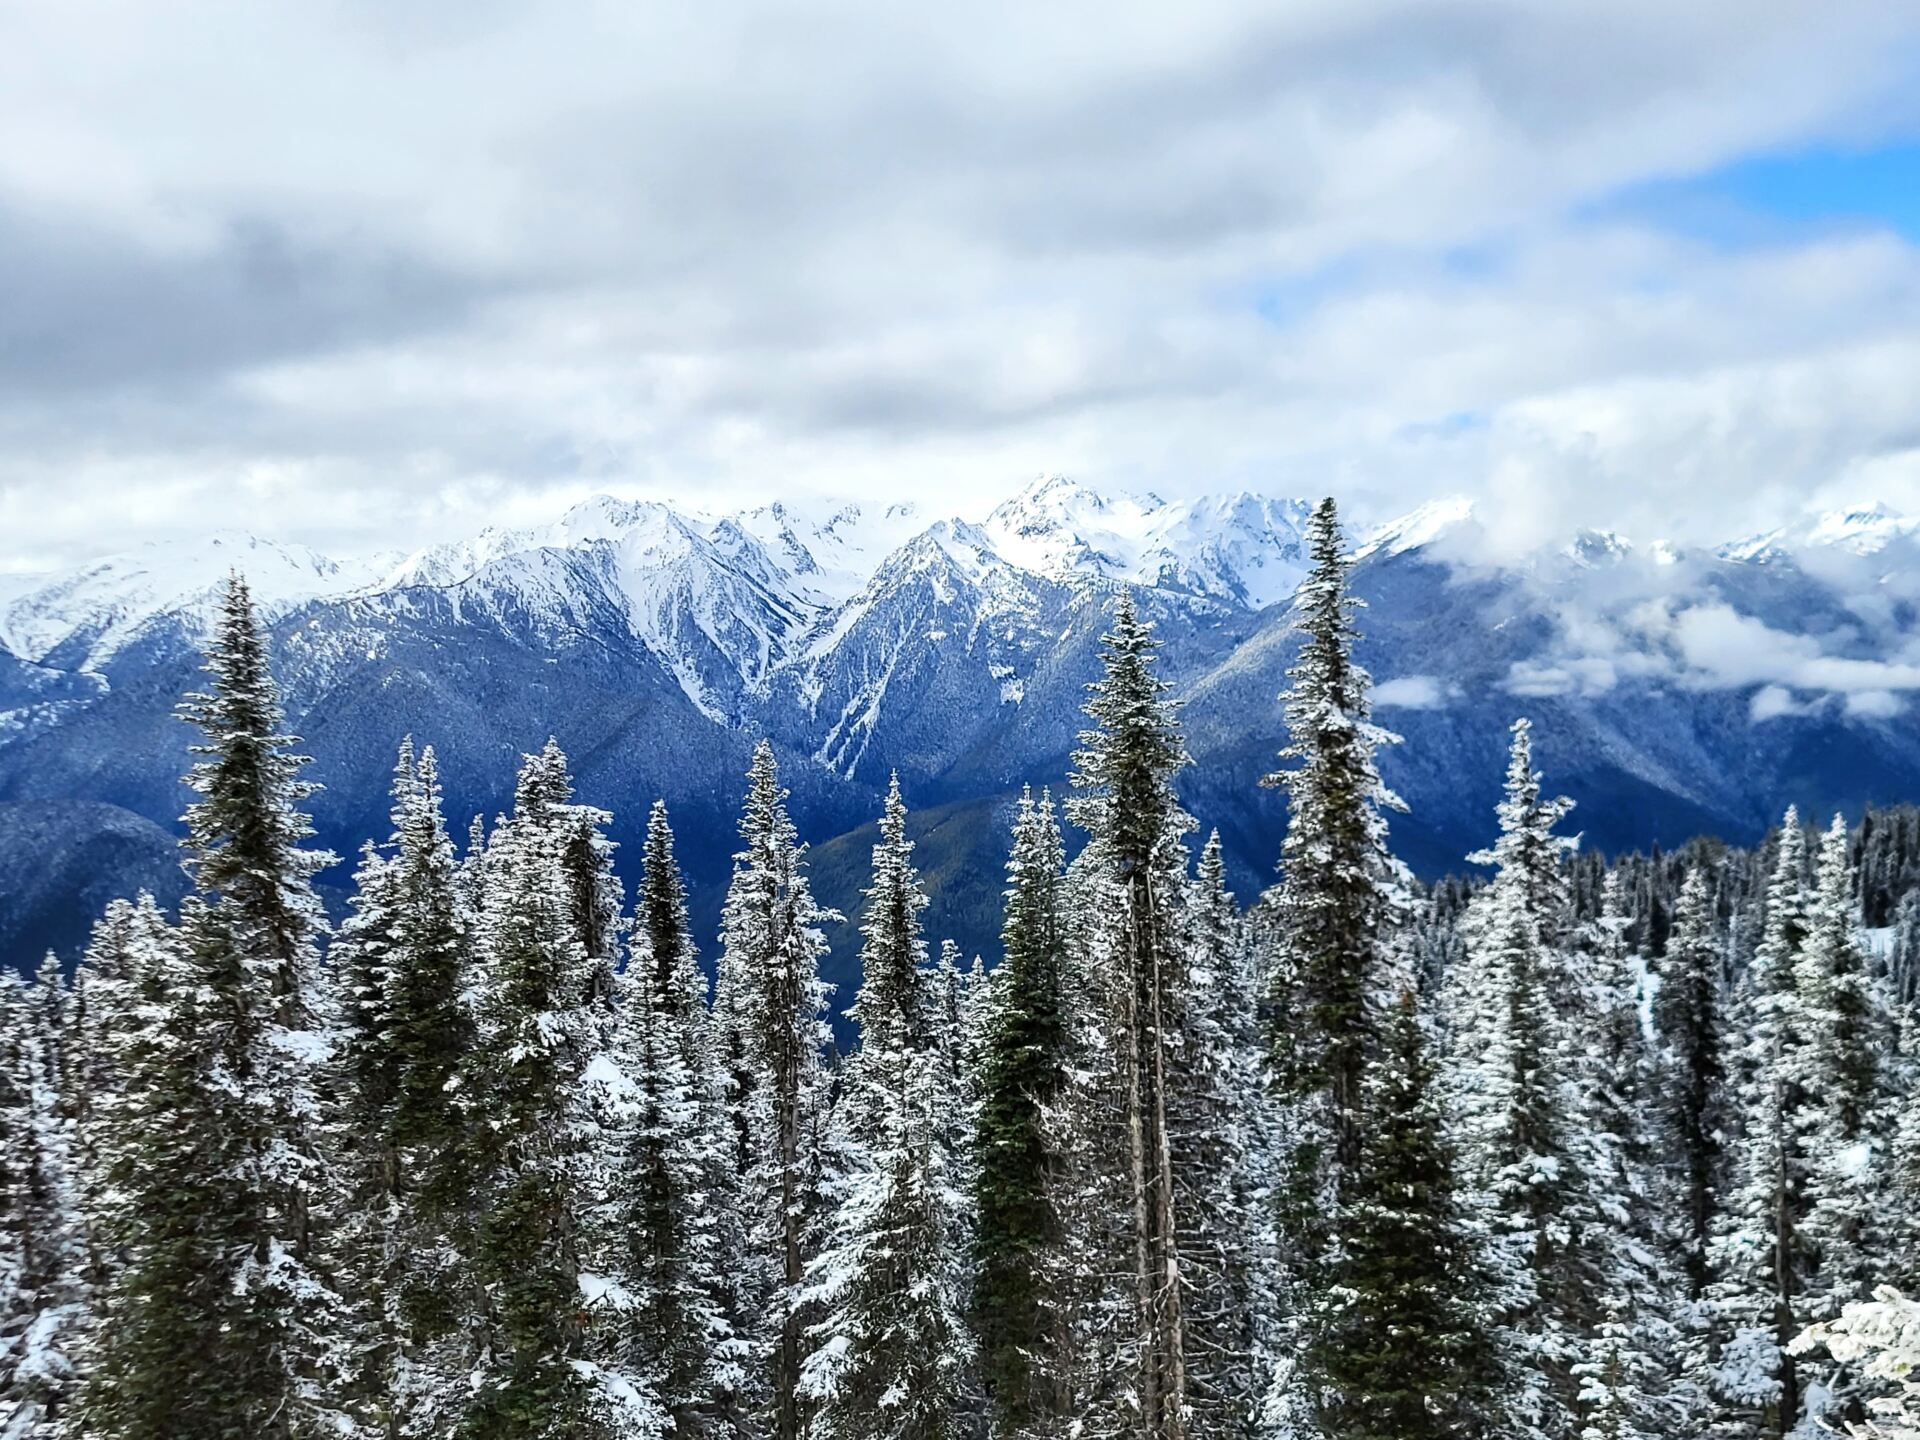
{"type": "Point", "coordinates": [1576, 1150]}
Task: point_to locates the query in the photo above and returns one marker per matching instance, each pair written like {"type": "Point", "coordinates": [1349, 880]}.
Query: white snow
{"type": "Point", "coordinates": [107, 604]}
{"type": "Point", "coordinates": [1419, 528]}
{"type": "Point", "coordinates": [1246, 549]}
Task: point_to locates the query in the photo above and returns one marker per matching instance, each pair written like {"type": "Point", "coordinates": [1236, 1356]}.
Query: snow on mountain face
{"type": "Point", "coordinates": [85, 617]}
{"type": "Point", "coordinates": [1863, 531]}
{"type": "Point", "coordinates": [830, 558]}
{"type": "Point", "coordinates": [716, 608]}
{"type": "Point", "coordinates": [1243, 549]}
{"type": "Point", "coordinates": [1419, 528]}
{"type": "Point", "coordinates": [728, 603]}
{"type": "Point", "coordinates": [944, 622]}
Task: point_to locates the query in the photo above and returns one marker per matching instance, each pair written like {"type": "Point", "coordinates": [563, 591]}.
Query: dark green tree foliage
{"type": "Point", "coordinates": [1135, 864]}
{"type": "Point", "coordinates": [1689, 1015]}
{"type": "Point", "coordinates": [539, 1034]}
{"type": "Point", "coordinates": [892, 1350]}
{"type": "Point", "coordinates": [1397, 1343]}
{"type": "Point", "coordinates": [403, 958]}
{"type": "Point", "coordinates": [1022, 1071]}
{"type": "Point", "coordinates": [224, 1321]}
{"type": "Point", "coordinates": [671, 1193]}
{"type": "Point", "coordinates": [1330, 911]}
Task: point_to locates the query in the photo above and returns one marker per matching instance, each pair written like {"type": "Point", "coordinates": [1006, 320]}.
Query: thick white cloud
{"type": "Point", "coordinates": [361, 273]}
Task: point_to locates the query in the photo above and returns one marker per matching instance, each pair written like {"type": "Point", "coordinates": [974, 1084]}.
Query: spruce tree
{"type": "Point", "coordinates": [1689, 1015]}
{"type": "Point", "coordinates": [403, 958]}
{"type": "Point", "coordinates": [1330, 912]}
{"type": "Point", "coordinates": [1761, 1262]}
{"type": "Point", "coordinates": [224, 1320]}
{"type": "Point", "coordinates": [1515, 1103]}
{"type": "Point", "coordinates": [671, 1211]}
{"type": "Point", "coordinates": [43, 1293]}
{"type": "Point", "coordinates": [1845, 1126]}
{"type": "Point", "coordinates": [770, 1006]}
{"type": "Point", "coordinates": [1018, 1241]}
{"type": "Point", "coordinates": [1626, 1293]}
{"type": "Point", "coordinates": [1134, 866]}
{"type": "Point", "coordinates": [1397, 1341]}
{"type": "Point", "coordinates": [540, 1039]}
{"type": "Point", "coordinates": [1223, 1132]}
{"type": "Point", "coordinates": [892, 1349]}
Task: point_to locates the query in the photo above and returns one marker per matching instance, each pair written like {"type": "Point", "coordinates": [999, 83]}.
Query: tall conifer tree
{"type": "Point", "coordinates": [892, 1349]}
{"type": "Point", "coordinates": [1018, 1241]}
{"type": "Point", "coordinates": [672, 1203]}
{"type": "Point", "coordinates": [1134, 865]}
{"type": "Point", "coordinates": [225, 1321]}
{"type": "Point", "coordinates": [770, 1004]}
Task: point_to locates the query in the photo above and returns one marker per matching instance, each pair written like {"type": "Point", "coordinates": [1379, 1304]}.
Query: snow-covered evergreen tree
{"type": "Point", "coordinates": [671, 1212]}
{"type": "Point", "coordinates": [224, 1320]}
{"type": "Point", "coordinates": [1880, 1340]}
{"type": "Point", "coordinates": [1328, 917]}
{"type": "Point", "coordinates": [1223, 1135]}
{"type": "Point", "coordinates": [1628, 1301]}
{"type": "Point", "coordinates": [891, 1347]}
{"type": "Point", "coordinates": [403, 961]}
{"type": "Point", "coordinates": [1760, 1258]}
{"type": "Point", "coordinates": [43, 1291]}
{"type": "Point", "coordinates": [1018, 1314]}
{"type": "Point", "coordinates": [1516, 1106]}
{"type": "Point", "coordinates": [1397, 1341]}
{"type": "Point", "coordinates": [1134, 887]}
{"type": "Point", "coordinates": [1845, 1125]}
{"type": "Point", "coordinates": [540, 1048]}
{"type": "Point", "coordinates": [770, 1006]}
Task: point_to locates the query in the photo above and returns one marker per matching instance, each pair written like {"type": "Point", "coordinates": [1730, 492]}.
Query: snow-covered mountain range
{"type": "Point", "coordinates": [1676, 690]}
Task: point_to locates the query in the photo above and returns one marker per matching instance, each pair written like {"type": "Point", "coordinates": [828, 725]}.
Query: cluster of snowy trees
{"type": "Point", "coordinates": [1577, 1152]}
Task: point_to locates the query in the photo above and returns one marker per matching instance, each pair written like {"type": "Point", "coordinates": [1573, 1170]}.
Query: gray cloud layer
{"type": "Point", "coordinates": [361, 274]}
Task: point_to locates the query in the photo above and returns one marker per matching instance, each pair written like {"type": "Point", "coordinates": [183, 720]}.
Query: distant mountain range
{"type": "Point", "coordinates": [1676, 691]}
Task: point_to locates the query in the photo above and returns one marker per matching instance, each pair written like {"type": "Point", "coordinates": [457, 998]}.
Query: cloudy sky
{"type": "Point", "coordinates": [364, 274]}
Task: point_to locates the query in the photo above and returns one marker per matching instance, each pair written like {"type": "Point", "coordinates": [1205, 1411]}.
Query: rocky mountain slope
{"type": "Point", "coordinates": [1675, 691]}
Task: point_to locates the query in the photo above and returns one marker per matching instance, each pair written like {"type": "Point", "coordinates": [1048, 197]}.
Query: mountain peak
{"type": "Point", "coordinates": [1419, 527]}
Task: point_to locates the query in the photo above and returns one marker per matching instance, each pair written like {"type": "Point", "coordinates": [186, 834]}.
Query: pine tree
{"type": "Point", "coordinates": [1397, 1341]}
{"type": "Point", "coordinates": [1689, 1012]}
{"type": "Point", "coordinates": [671, 1201]}
{"type": "Point", "coordinates": [541, 1036]}
{"type": "Point", "coordinates": [1135, 877]}
{"type": "Point", "coordinates": [1331, 909]}
{"type": "Point", "coordinates": [770, 1006]}
{"type": "Point", "coordinates": [1760, 1258]}
{"type": "Point", "coordinates": [1515, 1102]}
{"type": "Point", "coordinates": [892, 1348]}
{"type": "Point", "coordinates": [1845, 1126]}
{"type": "Point", "coordinates": [224, 1321]}
{"type": "Point", "coordinates": [403, 958]}
{"type": "Point", "coordinates": [1626, 1301]}
{"type": "Point", "coordinates": [1018, 1239]}
{"type": "Point", "coordinates": [1223, 1132]}
{"type": "Point", "coordinates": [42, 1256]}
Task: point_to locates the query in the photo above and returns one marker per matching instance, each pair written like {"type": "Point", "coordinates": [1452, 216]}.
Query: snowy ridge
{"type": "Point", "coordinates": [81, 619]}
{"type": "Point", "coordinates": [1240, 549]}
{"type": "Point", "coordinates": [729, 602]}
{"type": "Point", "coordinates": [1861, 530]}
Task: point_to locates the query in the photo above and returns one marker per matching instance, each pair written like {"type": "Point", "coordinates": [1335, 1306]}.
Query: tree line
{"type": "Point", "coordinates": [1575, 1152]}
